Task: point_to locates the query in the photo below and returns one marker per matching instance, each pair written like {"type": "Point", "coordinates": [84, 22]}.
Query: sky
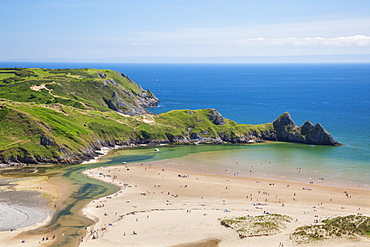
{"type": "Point", "coordinates": [182, 30]}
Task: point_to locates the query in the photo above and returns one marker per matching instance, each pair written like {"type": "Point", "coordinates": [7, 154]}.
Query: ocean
{"type": "Point", "coordinates": [335, 95]}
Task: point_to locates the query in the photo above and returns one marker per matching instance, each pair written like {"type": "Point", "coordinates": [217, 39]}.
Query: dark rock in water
{"type": "Point", "coordinates": [286, 128]}
{"type": "Point", "coordinates": [287, 131]}
{"type": "Point", "coordinates": [320, 136]}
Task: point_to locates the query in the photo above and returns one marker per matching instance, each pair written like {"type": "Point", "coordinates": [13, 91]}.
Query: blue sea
{"type": "Point", "coordinates": [335, 95]}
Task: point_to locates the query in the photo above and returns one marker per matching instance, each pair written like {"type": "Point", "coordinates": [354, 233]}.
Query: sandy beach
{"type": "Point", "coordinates": [158, 206]}
{"type": "Point", "coordinates": [26, 206]}
{"type": "Point", "coordinates": [162, 206]}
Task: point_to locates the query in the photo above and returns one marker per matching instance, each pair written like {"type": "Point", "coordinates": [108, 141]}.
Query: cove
{"type": "Point", "coordinates": [68, 223]}
{"type": "Point", "coordinates": [276, 160]}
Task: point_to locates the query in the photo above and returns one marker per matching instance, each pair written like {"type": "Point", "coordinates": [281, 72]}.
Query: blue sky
{"type": "Point", "coordinates": [120, 30]}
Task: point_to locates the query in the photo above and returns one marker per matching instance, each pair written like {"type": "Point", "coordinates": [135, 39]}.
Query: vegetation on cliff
{"type": "Point", "coordinates": [88, 89]}
{"type": "Point", "coordinates": [65, 116]}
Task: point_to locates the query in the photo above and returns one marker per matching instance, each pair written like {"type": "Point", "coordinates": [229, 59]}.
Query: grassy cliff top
{"type": "Point", "coordinates": [65, 115]}
{"type": "Point", "coordinates": [43, 133]}
{"type": "Point", "coordinates": [89, 89]}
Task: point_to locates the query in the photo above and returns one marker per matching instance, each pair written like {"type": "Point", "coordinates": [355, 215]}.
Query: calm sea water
{"type": "Point", "coordinates": [336, 95]}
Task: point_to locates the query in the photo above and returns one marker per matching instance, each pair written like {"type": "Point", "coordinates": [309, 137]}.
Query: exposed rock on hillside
{"type": "Point", "coordinates": [129, 102]}
{"type": "Point", "coordinates": [216, 117]}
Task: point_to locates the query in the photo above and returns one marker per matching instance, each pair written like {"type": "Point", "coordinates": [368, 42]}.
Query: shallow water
{"type": "Point", "coordinates": [77, 191]}
{"type": "Point", "coordinates": [278, 160]}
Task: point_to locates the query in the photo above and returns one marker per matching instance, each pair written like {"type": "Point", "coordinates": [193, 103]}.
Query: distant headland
{"type": "Point", "coordinates": [65, 116]}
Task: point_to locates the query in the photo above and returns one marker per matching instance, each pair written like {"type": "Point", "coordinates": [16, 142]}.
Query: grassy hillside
{"type": "Point", "coordinates": [56, 133]}
{"type": "Point", "coordinates": [81, 88]}
{"type": "Point", "coordinates": [64, 116]}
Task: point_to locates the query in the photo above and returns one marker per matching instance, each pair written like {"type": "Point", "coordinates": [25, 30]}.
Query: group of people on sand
{"type": "Point", "coordinates": [265, 191]}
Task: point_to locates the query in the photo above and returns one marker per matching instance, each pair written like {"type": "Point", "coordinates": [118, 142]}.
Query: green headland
{"type": "Point", "coordinates": [63, 116]}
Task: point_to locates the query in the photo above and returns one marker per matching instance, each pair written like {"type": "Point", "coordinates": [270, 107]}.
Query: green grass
{"type": "Point", "coordinates": [72, 87]}
{"type": "Point", "coordinates": [23, 124]}
{"type": "Point", "coordinates": [348, 226]}
{"type": "Point", "coordinates": [4, 75]}
{"type": "Point", "coordinates": [72, 114]}
{"type": "Point", "coordinates": [257, 225]}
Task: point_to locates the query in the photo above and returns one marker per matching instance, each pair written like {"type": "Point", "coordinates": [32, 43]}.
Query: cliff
{"type": "Point", "coordinates": [286, 130]}
{"type": "Point", "coordinates": [65, 116]}
{"type": "Point", "coordinates": [89, 89]}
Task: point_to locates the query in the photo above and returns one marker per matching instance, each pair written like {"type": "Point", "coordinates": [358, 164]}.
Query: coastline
{"type": "Point", "coordinates": [187, 164]}
{"type": "Point", "coordinates": [22, 212]}
{"type": "Point", "coordinates": [15, 237]}
{"type": "Point", "coordinates": [154, 201]}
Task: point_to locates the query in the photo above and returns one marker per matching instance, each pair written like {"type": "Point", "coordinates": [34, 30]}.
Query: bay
{"type": "Point", "coordinates": [336, 95]}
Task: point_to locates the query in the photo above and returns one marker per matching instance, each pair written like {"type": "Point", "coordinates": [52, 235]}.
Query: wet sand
{"type": "Point", "coordinates": [25, 206]}
{"type": "Point", "coordinates": [159, 206]}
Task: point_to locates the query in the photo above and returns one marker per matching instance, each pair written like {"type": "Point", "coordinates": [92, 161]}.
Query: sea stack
{"type": "Point", "coordinates": [286, 130]}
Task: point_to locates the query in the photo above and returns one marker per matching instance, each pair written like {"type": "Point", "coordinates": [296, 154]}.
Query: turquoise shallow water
{"type": "Point", "coordinates": [336, 95]}
{"type": "Point", "coordinates": [288, 161]}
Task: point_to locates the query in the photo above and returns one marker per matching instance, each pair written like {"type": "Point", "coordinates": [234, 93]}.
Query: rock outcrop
{"type": "Point", "coordinates": [216, 117]}
{"type": "Point", "coordinates": [130, 102]}
{"type": "Point", "coordinates": [287, 131]}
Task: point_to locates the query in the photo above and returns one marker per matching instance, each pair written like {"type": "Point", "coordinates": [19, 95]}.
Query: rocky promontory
{"type": "Point", "coordinates": [64, 116]}
{"type": "Point", "coordinates": [287, 131]}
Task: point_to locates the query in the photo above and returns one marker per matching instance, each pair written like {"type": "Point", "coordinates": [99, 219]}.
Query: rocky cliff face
{"type": "Point", "coordinates": [286, 130]}
{"type": "Point", "coordinates": [216, 117]}
{"type": "Point", "coordinates": [283, 129]}
{"type": "Point", "coordinates": [128, 101]}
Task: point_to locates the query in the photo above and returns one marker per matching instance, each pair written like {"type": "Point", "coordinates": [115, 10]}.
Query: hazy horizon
{"type": "Point", "coordinates": [357, 58]}
{"type": "Point", "coordinates": [242, 31]}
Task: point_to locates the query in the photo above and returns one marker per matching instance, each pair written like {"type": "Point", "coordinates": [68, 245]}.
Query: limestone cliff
{"type": "Point", "coordinates": [286, 130]}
